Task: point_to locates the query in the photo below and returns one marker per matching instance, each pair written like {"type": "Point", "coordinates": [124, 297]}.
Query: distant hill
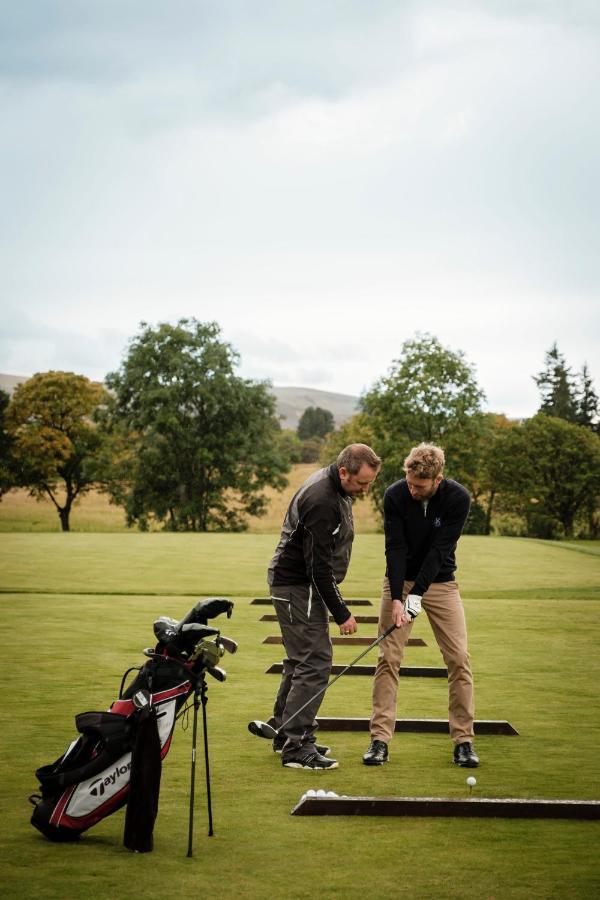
{"type": "Point", "coordinates": [9, 382]}
{"type": "Point", "coordinates": [291, 401]}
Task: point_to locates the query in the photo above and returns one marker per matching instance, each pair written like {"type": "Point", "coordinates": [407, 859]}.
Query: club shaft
{"type": "Point", "coordinates": [207, 767]}
{"type": "Point", "coordinates": [339, 675]}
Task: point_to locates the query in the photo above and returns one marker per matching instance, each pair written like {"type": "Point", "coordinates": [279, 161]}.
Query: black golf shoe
{"type": "Point", "coordinates": [279, 742]}
{"type": "Point", "coordinates": [377, 754]}
{"type": "Point", "coordinates": [464, 755]}
{"type": "Point", "coordinates": [307, 758]}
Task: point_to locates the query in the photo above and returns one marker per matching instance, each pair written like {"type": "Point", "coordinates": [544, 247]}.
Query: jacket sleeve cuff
{"type": "Point", "coordinates": [341, 615]}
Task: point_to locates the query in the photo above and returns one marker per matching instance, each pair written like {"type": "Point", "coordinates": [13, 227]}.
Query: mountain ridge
{"type": "Point", "coordinates": [291, 401]}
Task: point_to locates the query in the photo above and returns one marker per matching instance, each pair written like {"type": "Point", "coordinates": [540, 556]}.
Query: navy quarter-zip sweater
{"type": "Point", "coordinates": [420, 540]}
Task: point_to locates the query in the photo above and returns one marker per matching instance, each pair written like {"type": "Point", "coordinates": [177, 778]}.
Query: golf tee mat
{"type": "Point", "coordinates": [423, 726]}
{"type": "Point", "coordinates": [349, 640]}
{"type": "Point", "coordinates": [266, 601]}
{"type": "Point", "coordinates": [405, 671]}
{"type": "Point", "coordinates": [513, 808]}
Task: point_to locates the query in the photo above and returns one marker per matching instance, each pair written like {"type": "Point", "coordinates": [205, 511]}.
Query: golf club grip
{"type": "Point", "coordinates": [339, 675]}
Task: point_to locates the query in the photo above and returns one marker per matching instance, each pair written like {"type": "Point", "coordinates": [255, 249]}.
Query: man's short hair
{"type": "Point", "coordinates": [425, 461]}
{"type": "Point", "coordinates": [354, 456]}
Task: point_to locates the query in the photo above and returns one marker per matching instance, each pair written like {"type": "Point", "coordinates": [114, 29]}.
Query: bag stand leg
{"type": "Point", "coordinates": [199, 697]}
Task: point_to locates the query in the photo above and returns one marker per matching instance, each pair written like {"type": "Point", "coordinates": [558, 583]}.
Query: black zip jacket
{"type": "Point", "coordinates": [420, 541]}
{"type": "Point", "coordinates": [316, 540]}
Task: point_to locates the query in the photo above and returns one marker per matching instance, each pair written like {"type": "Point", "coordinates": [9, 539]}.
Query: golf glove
{"type": "Point", "coordinates": [412, 605]}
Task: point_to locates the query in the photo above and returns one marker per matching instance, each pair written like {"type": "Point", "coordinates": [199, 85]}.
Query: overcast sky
{"type": "Point", "coordinates": [324, 178]}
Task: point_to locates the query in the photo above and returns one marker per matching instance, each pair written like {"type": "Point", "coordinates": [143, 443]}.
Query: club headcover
{"type": "Point", "coordinates": [207, 609]}
{"type": "Point", "coordinates": [165, 630]}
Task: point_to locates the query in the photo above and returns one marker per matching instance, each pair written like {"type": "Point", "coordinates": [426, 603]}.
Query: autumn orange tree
{"type": "Point", "coordinates": [55, 440]}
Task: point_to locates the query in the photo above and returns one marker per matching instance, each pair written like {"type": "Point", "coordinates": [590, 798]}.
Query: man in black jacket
{"type": "Point", "coordinates": [424, 515]}
{"type": "Point", "coordinates": [310, 561]}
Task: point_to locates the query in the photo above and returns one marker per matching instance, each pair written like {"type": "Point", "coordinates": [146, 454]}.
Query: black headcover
{"type": "Point", "coordinates": [207, 609]}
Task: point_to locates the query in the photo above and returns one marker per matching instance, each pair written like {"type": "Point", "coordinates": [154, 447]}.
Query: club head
{"type": "Point", "coordinates": [230, 646]}
{"type": "Point", "coordinates": [217, 672]}
{"type": "Point", "coordinates": [261, 729]}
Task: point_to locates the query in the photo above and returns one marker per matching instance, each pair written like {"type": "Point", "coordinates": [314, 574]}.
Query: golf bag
{"type": "Point", "coordinates": [118, 756]}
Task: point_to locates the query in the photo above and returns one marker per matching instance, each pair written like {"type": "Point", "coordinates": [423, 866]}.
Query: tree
{"type": "Point", "coordinates": [290, 445]}
{"type": "Point", "coordinates": [587, 401]}
{"type": "Point", "coordinates": [8, 475]}
{"type": "Point", "coordinates": [206, 440]}
{"type": "Point", "coordinates": [356, 430]}
{"type": "Point", "coordinates": [315, 422]}
{"type": "Point", "coordinates": [557, 388]}
{"type": "Point", "coordinates": [55, 440]}
{"type": "Point", "coordinates": [475, 453]}
{"type": "Point", "coordinates": [550, 470]}
{"type": "Point", "coordinates": [429, 394]}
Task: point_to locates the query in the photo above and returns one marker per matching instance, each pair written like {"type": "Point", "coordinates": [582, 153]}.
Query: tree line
{"type": "Point", "coordinates": [177, 438]}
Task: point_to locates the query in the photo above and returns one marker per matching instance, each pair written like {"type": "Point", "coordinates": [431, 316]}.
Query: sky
{"type": "Point", "coordinates": [323, 178]}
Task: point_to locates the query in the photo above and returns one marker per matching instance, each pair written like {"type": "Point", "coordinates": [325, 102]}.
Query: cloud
{"type": "Point", "coordinates": [321, 179]}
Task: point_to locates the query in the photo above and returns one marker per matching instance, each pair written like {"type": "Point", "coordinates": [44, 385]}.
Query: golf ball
{"type": "Point", "coordinates": [331, 794]}
{"type": "Point", "coordinates": [311, 793]}
{"type": "Point", "coordinates": [471, 781]}
{"type": "Point", "coordinates": [321, 793]}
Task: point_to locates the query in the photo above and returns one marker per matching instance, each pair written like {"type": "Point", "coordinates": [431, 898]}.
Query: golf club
{"type": "Point", "coordinates": [264, 730]}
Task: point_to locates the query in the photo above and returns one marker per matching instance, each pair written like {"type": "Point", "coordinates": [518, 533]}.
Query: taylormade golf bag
{"type": "Point", "coordinates": [117, 758]}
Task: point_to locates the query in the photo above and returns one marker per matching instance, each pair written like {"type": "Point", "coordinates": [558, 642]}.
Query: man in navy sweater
{"type": "Point", "coordinates": [424, 515]}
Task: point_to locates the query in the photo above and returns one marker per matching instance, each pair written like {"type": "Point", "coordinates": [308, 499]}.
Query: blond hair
{"type": "Point", "coordinates": [425, 461]}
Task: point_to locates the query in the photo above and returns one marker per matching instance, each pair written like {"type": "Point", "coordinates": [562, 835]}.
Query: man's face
{"type": "Point", "coordinates": [422, 488]}
{"type": "Point", "coordinates": [359, 483]}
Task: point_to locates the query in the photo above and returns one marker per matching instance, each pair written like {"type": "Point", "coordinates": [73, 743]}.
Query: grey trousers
{"type": "Point", "coordinates": [304, 622]}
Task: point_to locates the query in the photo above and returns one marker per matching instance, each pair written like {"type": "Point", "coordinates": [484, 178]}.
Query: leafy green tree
{"type": "Point", "coordinates": [550, 470]}
{"type": "Point", "coordinates": [290, 445]}
{"type": "Point", "coordinates": [475, 452]}
{"type": "Point", "coordinates": [429, 394]}
{"type": "Point", "coordinates": [56, 443]}
{"type": "Point", "coordinates": [587, 401]}
{"type": "Point", "coordinates": [206, 440]}
{"type": "Point", "coordinates": [356, 430]}
{"type": "Point", "coordinates": [557, 387]}
{"type": "Point", "coordinates": [311, 450]}
{"type": "Point", "coordinates": [315, 422]}
{"type": "Point", "coordinates": [8, 475]}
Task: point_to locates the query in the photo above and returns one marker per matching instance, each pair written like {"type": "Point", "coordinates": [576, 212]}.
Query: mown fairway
{"type": "Point", "coordinates": [77, 610]}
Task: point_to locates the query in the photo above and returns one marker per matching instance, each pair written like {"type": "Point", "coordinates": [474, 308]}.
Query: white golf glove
{"type": "Point", "coordinates": [412, 605]}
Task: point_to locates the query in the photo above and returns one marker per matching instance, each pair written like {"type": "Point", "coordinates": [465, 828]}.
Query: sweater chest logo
{"type": "Point", "coordinates": [437, 522]}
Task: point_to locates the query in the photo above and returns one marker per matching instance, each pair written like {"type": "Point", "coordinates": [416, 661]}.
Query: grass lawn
{"type": "Point", "coordinates": [77, 609]}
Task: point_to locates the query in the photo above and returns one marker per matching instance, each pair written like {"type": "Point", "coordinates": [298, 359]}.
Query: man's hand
{"type": "Point", "coordinates": [349, 626]}
{"type": "Point", "coordinates": [399, 616]}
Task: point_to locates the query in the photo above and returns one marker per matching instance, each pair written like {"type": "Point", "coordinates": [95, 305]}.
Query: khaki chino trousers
{"type": "Point", "coordinates": [443, 607]}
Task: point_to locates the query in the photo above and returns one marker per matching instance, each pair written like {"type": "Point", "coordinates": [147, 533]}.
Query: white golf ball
{"type": "Point", "coordinates": [331, 794]}
{"type": "Point", "coordinates": [311, 793]}
{"type": "Point", "coordinates": [471, 781]}
{"type": "Point", "coordinates": [321, 793]}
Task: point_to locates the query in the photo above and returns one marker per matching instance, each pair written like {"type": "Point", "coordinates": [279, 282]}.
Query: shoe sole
{"type": "Point", "coordinates": [324, 752]}
{"type": "Point", "coordinates": [374, 762]}
{"type": "Point", "coordinates": [299, 765]}
{"type": "Point", "coordinates": [466, 765]}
